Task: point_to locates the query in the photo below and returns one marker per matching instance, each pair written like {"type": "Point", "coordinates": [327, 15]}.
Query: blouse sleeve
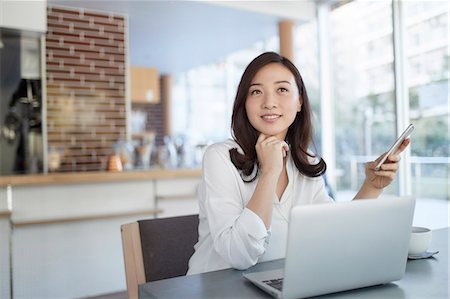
{"type": "Point", "coordinates": [238, 233]}
{"type": "Point", "coordinates": [320, 192]}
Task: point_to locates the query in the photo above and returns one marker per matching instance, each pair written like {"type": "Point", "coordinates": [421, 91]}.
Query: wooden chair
{"type": "Point", "coordinates": [156, 249]}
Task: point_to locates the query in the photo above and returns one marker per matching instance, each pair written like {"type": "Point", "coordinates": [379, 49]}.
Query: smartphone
{"type": "Point", "coordinates": [396, 145]}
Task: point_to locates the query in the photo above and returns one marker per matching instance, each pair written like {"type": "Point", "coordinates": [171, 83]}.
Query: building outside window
{"type": "Point", "coordinates": [361, 50]}
{"type": "Point", "coordinates": [203, 96]}
{"type": "Point", "coordinates": [307, 61]}
{"type": "Point", "coordinates": [361, 34]}
{"type": "Point", "coordinates": [427, 79]}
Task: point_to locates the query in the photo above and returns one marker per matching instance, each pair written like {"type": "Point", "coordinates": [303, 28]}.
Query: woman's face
{"type": "Point", "coordinates": [273, 100]}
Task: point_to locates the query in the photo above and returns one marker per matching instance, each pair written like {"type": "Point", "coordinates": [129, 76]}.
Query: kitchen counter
{"type": "Point", "coordinates": [93, 177]}
{"type": "Point", "coordinates": [75, 219]}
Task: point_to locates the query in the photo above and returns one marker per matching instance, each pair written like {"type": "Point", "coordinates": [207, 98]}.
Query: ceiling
{"type": "Point", "coordinates": [175, 36]}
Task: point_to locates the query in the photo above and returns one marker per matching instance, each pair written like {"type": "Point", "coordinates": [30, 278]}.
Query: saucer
{"type": "Point", "coordinates": [423, 255]}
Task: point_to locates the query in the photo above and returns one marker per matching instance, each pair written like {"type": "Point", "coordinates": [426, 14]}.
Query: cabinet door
{"type": "Point", "coordinates": [177, 197]}
{"type": "Point", "coordinates": [144, 85]}
{"type": "Point", "coordinates": [5, 234]}
{"type": "Point", "coordinates": [24, 15]}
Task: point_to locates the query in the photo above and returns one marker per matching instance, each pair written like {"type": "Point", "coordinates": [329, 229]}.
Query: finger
{"type": "Point", "coordinates": [263, 141]}
{"type": "Point", "coordinates": [395, 158]}
{"type": "Point", "coordinates": [273, 140]}
{"type": "Point", "coordinates": [403, 146]}
{"type": "Point", "coordinates": [261, 138]}
{"type": "Point", "coordinates": [380, 157]}
{"type": "Point", "coordinates": [389, 167]}
{"type": "Point", "coordinates": [371, 165]}
{"type": "Point", "coordinates": [387, 174]}
{"type": "Point", "coordinates": [277, 143]}
{"type": "Point", "coordinates": [285, 149]}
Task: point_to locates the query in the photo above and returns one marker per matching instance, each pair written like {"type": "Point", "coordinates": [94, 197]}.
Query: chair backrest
{"type": "Point", "coordinates": [156, 249]}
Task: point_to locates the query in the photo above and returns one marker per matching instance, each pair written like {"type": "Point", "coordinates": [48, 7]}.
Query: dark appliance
{"type": "Point", "coordinates": [22, 125]}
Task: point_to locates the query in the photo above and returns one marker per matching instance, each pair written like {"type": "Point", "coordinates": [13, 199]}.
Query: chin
{"type": "Point", "coordinates": [274, 132]}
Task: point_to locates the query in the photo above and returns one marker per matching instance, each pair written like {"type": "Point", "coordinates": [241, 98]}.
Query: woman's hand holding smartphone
{"type": "Point", "coordinates": [395, 146]}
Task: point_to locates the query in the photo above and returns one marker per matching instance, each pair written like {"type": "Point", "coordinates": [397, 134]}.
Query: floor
{"type": "Point", "coordinates": [119, 295]}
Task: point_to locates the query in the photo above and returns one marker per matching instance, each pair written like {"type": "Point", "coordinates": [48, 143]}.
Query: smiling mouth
{"type": "Point", "coordinates": [270, 116]}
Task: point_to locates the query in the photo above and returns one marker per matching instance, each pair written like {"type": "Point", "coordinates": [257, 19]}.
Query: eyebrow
{"type": "Point", "coordinates": [283, 81]}
{"type": "Point", "coordinates": [276, 82]}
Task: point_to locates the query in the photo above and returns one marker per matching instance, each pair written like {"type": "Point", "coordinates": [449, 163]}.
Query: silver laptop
{"type": "Point", "coordinates": [342, 246]}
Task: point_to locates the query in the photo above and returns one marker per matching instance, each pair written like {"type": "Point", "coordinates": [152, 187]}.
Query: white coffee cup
{"type": "Point", "coordinates": [420, 240]}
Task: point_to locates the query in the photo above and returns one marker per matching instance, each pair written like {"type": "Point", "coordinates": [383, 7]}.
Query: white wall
{"type": "Point", "coordinates": [24, 15]}
{"type": "Point", "coordinates": [295, 10]}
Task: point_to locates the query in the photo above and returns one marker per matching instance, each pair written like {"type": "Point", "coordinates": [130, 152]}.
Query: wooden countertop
{"type": "Point", "coordinates": [96, 177]}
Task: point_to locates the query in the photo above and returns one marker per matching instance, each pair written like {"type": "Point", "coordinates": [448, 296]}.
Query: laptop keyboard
{"type": "Point", "coordinates": [275, 283]}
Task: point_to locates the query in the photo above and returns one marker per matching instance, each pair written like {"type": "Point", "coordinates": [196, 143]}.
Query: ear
{"type": "Point", "coordinates": [299, 105]}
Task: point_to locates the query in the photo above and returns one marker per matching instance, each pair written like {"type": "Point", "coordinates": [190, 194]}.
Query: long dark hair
{"type": "Point", "coordinates": [299, 135]}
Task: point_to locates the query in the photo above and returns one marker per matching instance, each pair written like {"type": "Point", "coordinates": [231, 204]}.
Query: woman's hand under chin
{"type": "Point", "coordinates": [271, 151]}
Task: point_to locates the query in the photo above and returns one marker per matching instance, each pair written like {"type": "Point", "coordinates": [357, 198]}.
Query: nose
{"type": "Point", "coordinates": [269, 102]}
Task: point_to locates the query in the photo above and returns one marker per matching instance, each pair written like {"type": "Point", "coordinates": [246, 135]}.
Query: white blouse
{"type": "Point", "coordinates": [230, 234]}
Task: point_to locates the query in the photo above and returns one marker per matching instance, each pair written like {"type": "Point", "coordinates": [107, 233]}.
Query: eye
{"type": "Point", "coordinates": [282, 89]}
{"type": "Point", "coordinates": [255, 92]}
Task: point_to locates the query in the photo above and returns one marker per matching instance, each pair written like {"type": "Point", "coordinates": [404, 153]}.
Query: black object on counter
{"type": "Point", "coordinates": [24, 115]}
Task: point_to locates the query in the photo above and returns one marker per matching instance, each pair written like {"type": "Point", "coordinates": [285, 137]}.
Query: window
{"type": "Point", "coordinates": [427, 80]}
{"type": "Point", "coordinates": [363, 78]}
{"type": "Point", "coordinates": [364, 96]}
{"type": "Point", "coordinates": [307, 61]}
{"type": "Point", "coordinates": [203, 97]}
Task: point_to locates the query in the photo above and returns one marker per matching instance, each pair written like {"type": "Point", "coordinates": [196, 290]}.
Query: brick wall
{"type": "Point", "coordinates": [85, 61]}
{"type": "Point", "coordinates": [156, 118]}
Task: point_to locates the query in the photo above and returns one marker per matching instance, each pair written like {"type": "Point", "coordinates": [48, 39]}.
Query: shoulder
{"type": "Point", "coordinates": [221, 148]}
{"type": "Point", "coordinates": [313, 158]}
{"type": "Point", "coordinates": [217, 159]}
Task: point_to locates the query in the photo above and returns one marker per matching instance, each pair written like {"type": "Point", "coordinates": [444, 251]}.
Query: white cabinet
{"type": "Point", "coordinates": [62, 247]}
{"type": "Point", "coordinates": [5, 235]}
{"type": "Point", "coordinates": [34, 204]}
{"type": "Point", "coordinates": [24, 15]}
{"type": "Point", "coordinates": [177, 197]}
{"type": "Point", "coordinates": [66, 238]}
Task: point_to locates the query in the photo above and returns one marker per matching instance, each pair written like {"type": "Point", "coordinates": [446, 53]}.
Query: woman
{"type": "Point", "coordinates": [251, 183]}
